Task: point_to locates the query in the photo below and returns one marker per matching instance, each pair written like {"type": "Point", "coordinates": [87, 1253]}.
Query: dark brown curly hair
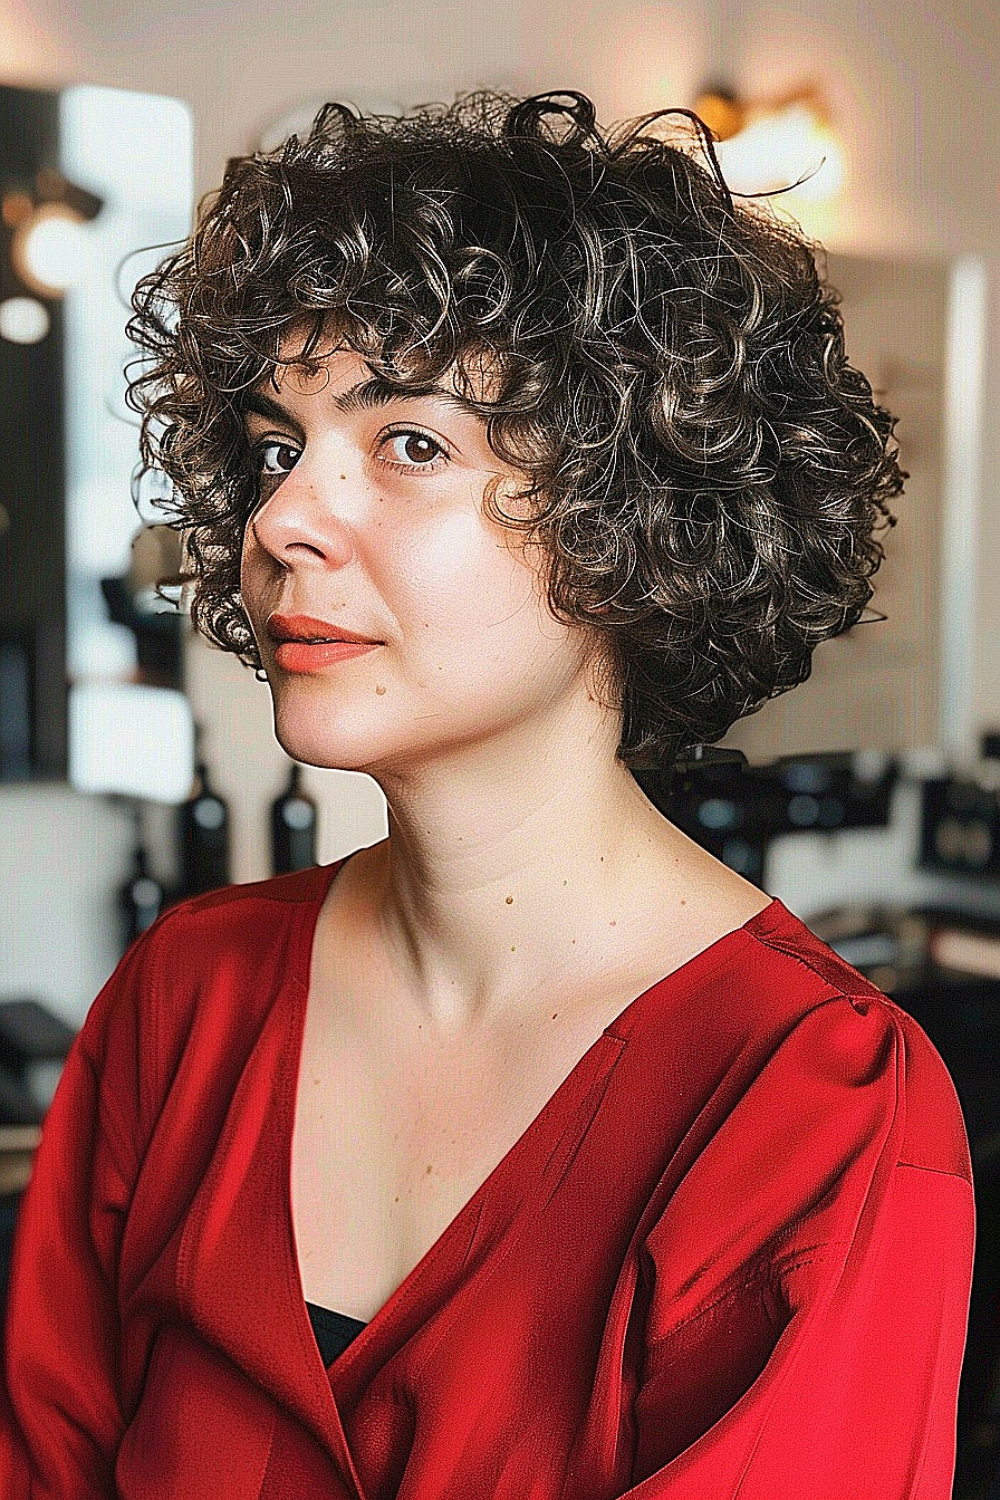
{"type": "Point", "coordinates": [706, 469]}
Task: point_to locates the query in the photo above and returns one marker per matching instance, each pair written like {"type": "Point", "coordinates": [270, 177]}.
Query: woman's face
{"type": "Point", "coordinates": [371, 517]}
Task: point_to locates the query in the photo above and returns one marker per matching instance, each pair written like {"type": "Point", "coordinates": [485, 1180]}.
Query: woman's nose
{"type": "Point", "coordinates": [305, 519]}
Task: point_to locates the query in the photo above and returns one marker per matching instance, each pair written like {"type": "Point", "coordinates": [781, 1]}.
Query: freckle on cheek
{"type": "Point", "coordinates": [380, 689]}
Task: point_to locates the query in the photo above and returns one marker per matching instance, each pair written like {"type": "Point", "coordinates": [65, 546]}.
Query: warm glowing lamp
{"type": "Point", "coordinates": [770, 145]}
{"type": "Point", "coordinates": [49, 249]}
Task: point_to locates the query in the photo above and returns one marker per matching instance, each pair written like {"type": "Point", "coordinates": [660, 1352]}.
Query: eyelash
{"type": "Point", "coordinates": [433, 465]}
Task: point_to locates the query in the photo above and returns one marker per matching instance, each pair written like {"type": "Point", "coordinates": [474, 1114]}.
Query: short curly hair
{"type": "Point", "coordinates": [706, 469]}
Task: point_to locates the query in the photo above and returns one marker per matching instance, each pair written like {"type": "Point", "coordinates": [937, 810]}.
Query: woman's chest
{"type": "Point", "coordinates": [397, 1126]}
{"type": "Point", "coordinates": [390, 1144]}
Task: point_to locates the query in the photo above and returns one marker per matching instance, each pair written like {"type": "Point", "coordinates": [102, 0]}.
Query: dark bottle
{"type": "Point", "coordinates": [204, 838]}
{"type": "Point", "coordinates": [294, 819]}
{"type": "Point", "coordinates": [140, 899]}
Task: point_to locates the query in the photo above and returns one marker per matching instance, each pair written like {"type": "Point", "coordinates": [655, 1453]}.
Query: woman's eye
{"type": "Point", "coordinates": [412, 450]}
{"type": "Point", "coordinates": [275, 458]}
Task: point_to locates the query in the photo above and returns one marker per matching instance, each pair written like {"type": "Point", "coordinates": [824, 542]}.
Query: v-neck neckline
{"type": "Point", "coordinates": [617, 1031]}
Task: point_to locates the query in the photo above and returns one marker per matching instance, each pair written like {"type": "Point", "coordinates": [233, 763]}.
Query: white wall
{"type": "Point", "coordinates": [913, 86]}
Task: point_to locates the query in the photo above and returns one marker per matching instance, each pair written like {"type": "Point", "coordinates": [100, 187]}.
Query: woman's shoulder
{"type": "Point", "coordinates": [249, 926]}
{"type": "Point", "coordinates": [230, 903]}
{"type": "Point", "coordinates": [842, 1027]}
{"type": "Point", "coordinates": [215, 961]}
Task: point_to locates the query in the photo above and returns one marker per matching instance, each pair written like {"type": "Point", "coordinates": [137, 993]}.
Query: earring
{"type": "Point", "coordinates": [260, 674]}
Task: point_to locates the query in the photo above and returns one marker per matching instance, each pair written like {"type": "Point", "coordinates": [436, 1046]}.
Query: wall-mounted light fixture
{"type": "Point", "coordinates": [43, 223]}
{"type": "Point", "coordinates": [781, 142]}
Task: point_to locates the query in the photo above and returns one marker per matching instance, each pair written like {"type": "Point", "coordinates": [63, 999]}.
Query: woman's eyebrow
{"type": "Point", "coordinates": [366, 394]}
{"type": "Point", "coordinates": [263, 406]}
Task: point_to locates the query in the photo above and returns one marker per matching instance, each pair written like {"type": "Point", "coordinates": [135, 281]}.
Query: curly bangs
{"type": "Point", "coordinates": [706, 471]}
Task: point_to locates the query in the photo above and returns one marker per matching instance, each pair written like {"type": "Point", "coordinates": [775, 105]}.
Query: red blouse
{"type": "Point", "coordinates": [730, 1259]}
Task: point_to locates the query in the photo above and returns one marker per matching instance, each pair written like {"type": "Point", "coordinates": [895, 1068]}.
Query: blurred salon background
{"type": "Point", "coordinates": [138, 765]}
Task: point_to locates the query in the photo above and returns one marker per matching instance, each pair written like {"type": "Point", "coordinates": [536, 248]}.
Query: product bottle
{"type": "Point", "coordinates": [294, 819]}
{"type": "Point", "coordinates": [203, 822]}
{"type": "Point", "coordinates": [140, 899]}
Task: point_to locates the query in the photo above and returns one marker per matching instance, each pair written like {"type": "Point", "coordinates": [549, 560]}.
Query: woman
{"type": "Point", "coordinates": [595, 1172]}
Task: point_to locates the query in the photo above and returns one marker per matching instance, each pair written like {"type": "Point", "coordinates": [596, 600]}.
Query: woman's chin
{"type": "Point", "coordinates": [324, 745]}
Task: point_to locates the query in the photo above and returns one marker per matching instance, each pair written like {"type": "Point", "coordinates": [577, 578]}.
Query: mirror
{"type": "Point", "coordinates": [96, 184]}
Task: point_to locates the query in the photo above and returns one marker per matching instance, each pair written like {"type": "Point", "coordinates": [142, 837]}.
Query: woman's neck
{"type": "Point", "coordinates": [471, 930]}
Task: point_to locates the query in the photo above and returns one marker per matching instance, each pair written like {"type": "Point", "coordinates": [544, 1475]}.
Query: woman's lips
{"type": "Point", "coordinates": [305, 656]}
{"type": "Point", "coordinates": [281, 627]}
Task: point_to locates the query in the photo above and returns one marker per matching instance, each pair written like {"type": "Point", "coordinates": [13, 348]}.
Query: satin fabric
{"type": "Point", "coordinates": [730, 1259]}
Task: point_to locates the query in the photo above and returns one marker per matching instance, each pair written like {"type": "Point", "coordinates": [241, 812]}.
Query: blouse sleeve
{"type": "Point", "coordinates": [60, 1417]}
{"type": "Point", "coordinates": [823, 1361]}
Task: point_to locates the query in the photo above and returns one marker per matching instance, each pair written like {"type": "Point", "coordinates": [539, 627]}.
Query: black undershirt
{"type": "Point", "coordinates": [333, 1330]}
